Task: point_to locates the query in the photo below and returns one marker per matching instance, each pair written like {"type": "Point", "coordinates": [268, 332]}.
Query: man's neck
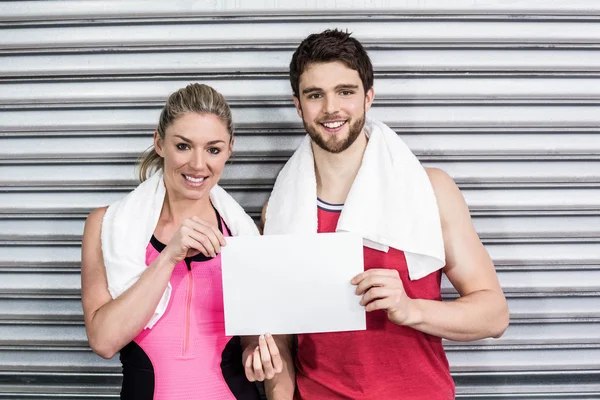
{"type": "Point", "coordinates": [336, 172]}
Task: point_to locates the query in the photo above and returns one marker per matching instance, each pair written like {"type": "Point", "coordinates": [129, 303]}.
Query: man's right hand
{"type": "Point", "coordinates": [263, 361]}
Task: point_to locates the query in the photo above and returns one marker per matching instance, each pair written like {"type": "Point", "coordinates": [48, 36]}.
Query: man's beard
{"type": "Point", "coordinates": [333, 145]}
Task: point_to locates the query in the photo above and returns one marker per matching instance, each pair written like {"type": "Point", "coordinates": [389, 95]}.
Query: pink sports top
{"type": "Point", "coordinates": [186, 355]}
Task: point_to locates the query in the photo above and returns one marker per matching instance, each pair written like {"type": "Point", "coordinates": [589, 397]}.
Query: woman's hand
{"type": "Point", "coordinates": [263, 361]}
{"type": "Point", "coordinates": [194, 236]}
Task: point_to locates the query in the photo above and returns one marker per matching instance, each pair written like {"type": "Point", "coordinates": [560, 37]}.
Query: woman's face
{"type": "Point", "coordinates": [195, 150]}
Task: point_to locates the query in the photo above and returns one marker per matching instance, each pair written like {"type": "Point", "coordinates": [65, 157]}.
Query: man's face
{"type": "Point", "coordinates": [332, 104]}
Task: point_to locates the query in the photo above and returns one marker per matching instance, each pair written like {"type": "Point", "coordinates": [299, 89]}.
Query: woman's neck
{"type": "Point", "coordinates": [175, 210]}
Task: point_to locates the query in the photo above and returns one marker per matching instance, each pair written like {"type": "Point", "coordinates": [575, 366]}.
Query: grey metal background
{"type": "Point", "coordinates": [503, 95]}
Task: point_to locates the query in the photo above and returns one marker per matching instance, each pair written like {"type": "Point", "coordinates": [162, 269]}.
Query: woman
{"type": "Point", "coordinates": [160, 303]}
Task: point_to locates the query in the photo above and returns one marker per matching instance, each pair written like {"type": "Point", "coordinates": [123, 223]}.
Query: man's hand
{"type": "Point", "coordinates": [263, 361]}
{"type": "Point", "coordinates": [382, 289]}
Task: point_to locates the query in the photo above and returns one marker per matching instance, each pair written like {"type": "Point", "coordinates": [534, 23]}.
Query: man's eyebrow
{"type": "Point", "coordinates": [346, 86]}
{"type": "Point", "coordinates": [311, 89]}
{"type": "Point", "coordinates": [338, 87]}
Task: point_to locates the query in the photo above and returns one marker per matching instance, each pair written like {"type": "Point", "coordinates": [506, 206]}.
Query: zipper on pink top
{"type": "Point", "coordinates": [188, 306]}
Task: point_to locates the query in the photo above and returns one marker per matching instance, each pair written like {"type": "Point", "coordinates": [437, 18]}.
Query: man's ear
{"type": "Point", "coordinates": [369, 97]}
{"type": "Point", "coordinates": [158, 144]}
{"type": "Point", "coordinates": [298, 106]}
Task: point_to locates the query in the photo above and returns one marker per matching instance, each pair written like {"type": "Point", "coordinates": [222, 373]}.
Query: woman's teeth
{"type": "Point", "coordinates": [333, 125]}
{"type": "Point", "coordinates": [194, 180]}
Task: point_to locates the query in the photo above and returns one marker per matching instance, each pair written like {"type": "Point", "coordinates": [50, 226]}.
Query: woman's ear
{"type": "Point", "coordinates": [231, 145]}
{"type": "Point", "coordinates": [158, 144]}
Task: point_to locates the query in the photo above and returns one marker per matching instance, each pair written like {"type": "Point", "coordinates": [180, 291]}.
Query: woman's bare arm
{"type": "Point", "coordinates": [112, 323]}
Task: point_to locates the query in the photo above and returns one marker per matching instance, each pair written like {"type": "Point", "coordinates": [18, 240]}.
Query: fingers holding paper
{"type": "Point", "coordinates": [195, 236]}
{"type": "Point", "coordinates": [382, 289]}
{"type": "Point", "coordinates": [264, 361]}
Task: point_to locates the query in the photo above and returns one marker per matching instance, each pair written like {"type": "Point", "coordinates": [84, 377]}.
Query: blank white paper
{"type": "Point", "coordinates": [283, 284]}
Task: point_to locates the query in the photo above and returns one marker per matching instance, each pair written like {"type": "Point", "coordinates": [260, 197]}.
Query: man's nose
{"type": "Point", "coordinates": [331, 105]}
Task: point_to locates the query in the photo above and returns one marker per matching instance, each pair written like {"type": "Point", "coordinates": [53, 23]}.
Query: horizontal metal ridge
{"type": "Point", "coordinates": [284, 75]}
{"type": "Point", "coordinates": [77, 319]}
{"type": "Point", "coordinates": [79, 345]}
{"type": "Point", "coordinates": [448, 293]}
{"type": "Point", "coordinates": [574, 393]}
{"type": "Point", "coordinates": [504, 266]}
{"type": "Point", "coordinates": [507, 345]}
{"type": "Point", "coordinates": [61, 394]}
{"type": "Point", "coordinates": [40, 267]}
{"type": "Point", "coordinates": [247, 130]}
{"type": "Point", "coordinates": [556, 374]}
{"type": "Point", "coordinates": [59, 374]}
{"type": "Point", "coordinates": [491, 100]}
{"type": "Point", "coordinates": [535, 320]}
{"type": "Point", "coordinates": [531, 211]}
{"type": "Point", "coordinates": [525, 211]}
{"type": "Point", "coordinates": [541, 237]}
{"type": "Point", "coordinates": [62, 214]}
{"type": "Point", "coordinates": [506, 238]}
{"type": "Point", "coordinates": [295, 127]}
{"type": "Point", "coordinates": [44, 319]}
{"type": "Point", "coordinates": [303, 16]}
{"type": "Point", "coordinates": [125, 186]}
{"type": "Point", "coordinates": [24, 344]}
{"type": "Point", "coordinates": [116, 368]}
{"type": "Point", "coordinates": [40, 240]}
{"type": "Point", "coordinates": [118, 185]}
{"type": "Point", "coordinates": [290, 45]}
{"type": "Point", "coordinates": [563, 265]}
{"type": "Point", "coordinates": [537, 292]}
{"type": "Point", "coordinates": [125, 158]}
{"type": "Point", "coordinates": [41, 294]}
{"type": "Point", "coordinates": [423, 71]}
{"type": "Point", "coordinates": [283, 156]}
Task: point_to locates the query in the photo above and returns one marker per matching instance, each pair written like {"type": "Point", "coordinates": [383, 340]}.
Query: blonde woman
{"type": "Point", "coordinates": [164, 313]}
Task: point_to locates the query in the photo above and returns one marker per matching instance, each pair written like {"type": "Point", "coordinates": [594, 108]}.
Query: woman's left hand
{"type": "Point", "coordinates": [263, 361]}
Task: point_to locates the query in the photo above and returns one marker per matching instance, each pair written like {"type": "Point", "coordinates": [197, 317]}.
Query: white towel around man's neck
{"type": "Point", "coordinates": [391, 202]}
{"type": "Point", "coordinates": [129, 224]}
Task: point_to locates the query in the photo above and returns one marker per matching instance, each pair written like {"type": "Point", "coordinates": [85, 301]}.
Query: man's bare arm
{"type": "Point", "coordinates": [481, 310]}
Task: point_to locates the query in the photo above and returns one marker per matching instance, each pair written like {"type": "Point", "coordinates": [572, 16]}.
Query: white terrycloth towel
{"type": "Point", "coordinates": [129, 224]}
{"type": "Point", "coordinates": [391, 202]}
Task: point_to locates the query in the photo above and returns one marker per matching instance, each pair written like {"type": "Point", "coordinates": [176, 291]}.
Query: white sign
{"type": "Point", "coordinates": [283, 284]}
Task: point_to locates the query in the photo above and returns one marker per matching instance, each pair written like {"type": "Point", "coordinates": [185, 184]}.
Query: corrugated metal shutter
{"type": "Point", "coordinates": [502, 95]}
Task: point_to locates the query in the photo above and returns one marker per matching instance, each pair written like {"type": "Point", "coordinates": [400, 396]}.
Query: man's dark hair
{"type": "Point", "coordinates": [329, 46]}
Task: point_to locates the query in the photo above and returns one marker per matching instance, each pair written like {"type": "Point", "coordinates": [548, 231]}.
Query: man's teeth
{"type": "Point", "coordinates": [195, 180]}
{"type": "Point", "coordinates": [333, 125]}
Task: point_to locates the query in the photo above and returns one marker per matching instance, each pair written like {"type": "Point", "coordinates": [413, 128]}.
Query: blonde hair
{"type": "Point", "coordinates": [194, 98]}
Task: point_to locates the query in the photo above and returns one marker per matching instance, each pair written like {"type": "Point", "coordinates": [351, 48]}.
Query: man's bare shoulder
{"type": "Point", "coordinates": [441, 182]}
{"type": "Point", "coordinates": [450, 200]}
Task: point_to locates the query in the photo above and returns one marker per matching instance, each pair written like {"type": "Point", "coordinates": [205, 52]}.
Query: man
{"type": "Point", "coordinates": [400, 355]}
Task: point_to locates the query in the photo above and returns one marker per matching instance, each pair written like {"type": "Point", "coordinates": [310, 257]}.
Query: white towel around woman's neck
{"type": "Point", "coordinates": [391, 202]}
{"type": "Point", "coordinates": [129, 224]}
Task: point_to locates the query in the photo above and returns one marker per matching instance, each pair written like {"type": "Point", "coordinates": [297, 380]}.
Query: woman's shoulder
{"type": "Point", "coordinates": [93, 221]}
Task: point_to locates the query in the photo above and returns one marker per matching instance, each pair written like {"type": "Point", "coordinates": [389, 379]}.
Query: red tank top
{"type": "Point", "coordinates": [386, 361]}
